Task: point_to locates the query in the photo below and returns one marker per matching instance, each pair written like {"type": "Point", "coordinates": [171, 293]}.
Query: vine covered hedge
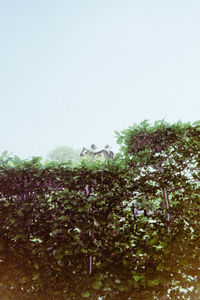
{"type": "Point", "coordinates": [122, 229]}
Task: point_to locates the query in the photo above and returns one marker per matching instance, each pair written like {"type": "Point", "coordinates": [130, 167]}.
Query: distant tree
{"type": "Point", "coordinates": [64, 153]}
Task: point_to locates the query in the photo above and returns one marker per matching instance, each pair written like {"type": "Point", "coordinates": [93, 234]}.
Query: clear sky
{"type": "Point", "coordinates": [74, 71]}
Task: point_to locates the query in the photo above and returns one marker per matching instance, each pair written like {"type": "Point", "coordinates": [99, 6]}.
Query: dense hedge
{"type": "Point", "coordinates": [123, 229]}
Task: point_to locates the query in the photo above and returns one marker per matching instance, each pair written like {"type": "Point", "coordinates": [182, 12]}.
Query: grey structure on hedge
{"type": "Point", "coordinates": [106, 153]}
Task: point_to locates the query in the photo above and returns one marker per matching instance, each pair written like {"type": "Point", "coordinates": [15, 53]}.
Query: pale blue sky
{"type": "Point", "coordinates": [73, 71]}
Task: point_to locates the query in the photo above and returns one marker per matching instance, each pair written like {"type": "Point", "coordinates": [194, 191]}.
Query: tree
{"type": "Point", "coordinates": [64, 153]}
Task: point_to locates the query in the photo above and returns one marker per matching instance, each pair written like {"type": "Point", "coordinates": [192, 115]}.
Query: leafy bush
{"type": "Point", "coordinates": [74, 233]}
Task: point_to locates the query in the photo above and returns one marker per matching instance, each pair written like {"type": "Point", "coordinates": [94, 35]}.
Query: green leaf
{"type": "Point", "coordinates": [138, 277]}
{"type": "Point", "coordinates": [23, 279]}
{"type": "Point", "coordinates": [117, 133]}
{"type": "Point", "coordinates": [68, 206]}
{"type": "Point", "coordinates": [36, 266]}
{"type": "Point", "coordinates": [16, 237]}
{"type": "Point", "coordinates": [153, 282]}
{"type": "Point", "coordinates": [117, 281]}
{"type": "Point", "coordinates": [85, 294]}
{"type": "Point", "coordinates": [36, 276]}
{"type": "Point", "coordinates": [64, 218]}
{"type": "Point", "coordinates": [68, 252]}
{"type": "Point", "coordinates": [84, 250]}
{"type": "Point", "coordinates": [197, 123]}
{"type": "Point", "coordinates": [96, 285]}
{"type": "Point", "coordinates": [160, 267]}
{"type": "Point", "coordinates": [20, 213]}
{"type": "Point", "coordinates": [159, 247]}
{"type": "Point", "coordinates": [80, 209]}
{"type": "Point", "coordinates": [121, 288]}
{"type": "Point", "coordinates": [3, 154]}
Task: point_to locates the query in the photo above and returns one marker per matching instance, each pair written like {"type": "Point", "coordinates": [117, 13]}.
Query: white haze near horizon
{"type": "Point", "coordinates": [73, 72]}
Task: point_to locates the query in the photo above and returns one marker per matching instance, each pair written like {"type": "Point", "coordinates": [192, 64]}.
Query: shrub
{"type": "Point", "coordinates": [73, 233]}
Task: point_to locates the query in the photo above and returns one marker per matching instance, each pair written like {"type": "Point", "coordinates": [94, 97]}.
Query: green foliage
{"type": "Point", "coordinates": [64, 153]}
{"type": "Point", "coordinates": [55, 218]}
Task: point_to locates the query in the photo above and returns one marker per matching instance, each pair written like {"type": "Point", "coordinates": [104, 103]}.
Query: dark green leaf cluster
{"type": "Point", "coordinates": [123, 229]}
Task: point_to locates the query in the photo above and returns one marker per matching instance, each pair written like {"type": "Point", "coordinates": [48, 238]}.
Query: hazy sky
{"type": "Point", "coordinates": [74, 71]}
